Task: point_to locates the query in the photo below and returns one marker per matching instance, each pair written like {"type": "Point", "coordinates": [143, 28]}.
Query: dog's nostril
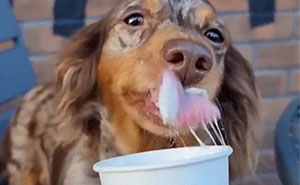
{"type": "Point", "coordinates": [176, 58]}
{"type": "Point", "coordinates": [203, 64]}
{"type": "Point", "coordinates": [190, 60]}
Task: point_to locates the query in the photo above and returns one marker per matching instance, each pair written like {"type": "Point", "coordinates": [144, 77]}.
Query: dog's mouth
{"type": "Point", "coordinates": [147, 105]}
{"type": "Point", "coordinates": [151, 108]}
{"type": "Point", "coordinates": [172, 106]}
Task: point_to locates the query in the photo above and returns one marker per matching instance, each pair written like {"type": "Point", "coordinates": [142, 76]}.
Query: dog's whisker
{"type": "Point", "coordinates": [180, 138]}
{"type": "Point", "coordinates": [221, 125]}
{"type": "Point", "coordinates": [209, 134]}
{"type": "Point", "coordinates": [218, 128]}
{"type": "Point", "coordinates": [172, 142]}
{"type": "Point", "coordinates": [222, 129]}
{"type": "Point", "coordinates": [196, 137]}
{"type": "Point", "coordinates": [215, 132]}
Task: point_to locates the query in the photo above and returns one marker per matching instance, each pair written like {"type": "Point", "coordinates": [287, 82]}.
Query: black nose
{"type": "Point", "coordinates": [190, 60]}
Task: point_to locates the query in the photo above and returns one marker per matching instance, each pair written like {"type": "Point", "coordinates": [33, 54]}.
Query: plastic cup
{"type": "Point", "coordinates": [179, 166]}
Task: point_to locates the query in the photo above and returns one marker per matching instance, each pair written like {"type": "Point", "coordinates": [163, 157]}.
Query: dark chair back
{"type": "Point", "coordinates": [16, 74]}
{"type": "Point", "coordinates": [287, 141]}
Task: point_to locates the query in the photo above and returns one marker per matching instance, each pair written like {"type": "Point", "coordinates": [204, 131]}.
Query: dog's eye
{"type": "Point", "coordinates": [135, 19]}
{"type": "Point", "coordinates": [214, 35]}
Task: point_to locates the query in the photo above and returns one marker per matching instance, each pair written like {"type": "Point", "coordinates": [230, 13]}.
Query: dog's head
{"type": "Point", "coordinates": [148, 37]}
{"type": "Point", "coordinates": [119, 62]}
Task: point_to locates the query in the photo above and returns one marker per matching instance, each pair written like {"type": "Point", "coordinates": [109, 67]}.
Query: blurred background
{"type": "Point", "coordinates": [265, 31]}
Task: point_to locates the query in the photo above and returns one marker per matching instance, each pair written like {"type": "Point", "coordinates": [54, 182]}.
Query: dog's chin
{"type": "Point", "coordinates": [153, 124]}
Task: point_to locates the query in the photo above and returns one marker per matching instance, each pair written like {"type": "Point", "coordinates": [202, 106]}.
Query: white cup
{"type": "Point", "coordinates": [206, 165]}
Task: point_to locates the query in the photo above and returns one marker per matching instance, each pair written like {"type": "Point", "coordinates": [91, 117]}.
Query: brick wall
{"type": "Point", "coordinates": [273, 50]}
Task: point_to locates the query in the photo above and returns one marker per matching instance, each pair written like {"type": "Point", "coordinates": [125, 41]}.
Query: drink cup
{"type": "Point", "coordinates": [205, 165]}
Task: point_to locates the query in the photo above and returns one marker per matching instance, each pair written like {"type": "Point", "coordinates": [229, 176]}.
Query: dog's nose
{"type": "Point", "coordinates": [190, 60]}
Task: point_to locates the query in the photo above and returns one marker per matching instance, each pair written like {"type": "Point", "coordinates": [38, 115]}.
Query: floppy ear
{"type": "Point", "coordinates": [240, 103]}
{"type": "Point", "coordinates": [76, 79]}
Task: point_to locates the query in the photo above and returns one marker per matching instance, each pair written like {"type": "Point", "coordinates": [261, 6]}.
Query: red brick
{"type": "Point", "coordinates": [267, 140]}
{"type": "Point", "coordinates": [242, 5]}
{"type": "Point", "coordinates": [99, 7]}
{"type": "Point", "coordinates": [230, 5]}
{"type": "Point", "coordinates": [271, 84]}
{"type": "Point", "coordinates": [295, 81]}
{"type": "Point", "coordinates": [246, 51]}
{"type": "Point", "coordinates": [279, 55]}
{"type": "Point", "coordinates": [297, 29]}
{"type": "Point", "coordinates": [266, 162]}
{"type": "Point", "coordinates": [287, 4]}
{"type": "Point", "coordinates": [272, 109]}
{"type": "Point", "coordinates": [44, 70]}
{"type": "Point", "coordinates": [6, 45]}
{"type": "Point", "coordinates": [33, 9]}
{"type": "Point", "coordinates": [42, 40]}
{"type": "Point", "coordinates": [241, 30]}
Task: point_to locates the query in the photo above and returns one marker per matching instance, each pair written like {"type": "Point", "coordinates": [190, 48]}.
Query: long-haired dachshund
{"type": "Point", "coordinates": [96, 107]}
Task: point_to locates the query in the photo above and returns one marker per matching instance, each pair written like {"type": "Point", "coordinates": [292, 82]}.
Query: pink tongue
{"type": "Point", "coordinates": [183, 108]}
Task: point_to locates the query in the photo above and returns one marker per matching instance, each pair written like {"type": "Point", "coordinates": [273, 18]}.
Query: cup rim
{"type": "Point", "coordinates": [103, 167]}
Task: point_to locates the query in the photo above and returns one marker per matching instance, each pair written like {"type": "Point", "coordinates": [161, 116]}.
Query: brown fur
{"type": "Point", "coordinates": [91, 111]}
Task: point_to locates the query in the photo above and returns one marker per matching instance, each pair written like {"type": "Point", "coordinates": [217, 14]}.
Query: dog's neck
{"type": "Point", "coordinates": [127, 140]}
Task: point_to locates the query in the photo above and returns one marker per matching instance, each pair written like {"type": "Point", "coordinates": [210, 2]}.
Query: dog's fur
{"type": "Point", "coordinates": [91, 111]}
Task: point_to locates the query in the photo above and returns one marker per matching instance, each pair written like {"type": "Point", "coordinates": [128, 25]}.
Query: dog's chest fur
{"type": "Point", "coordinates": [37, 143]}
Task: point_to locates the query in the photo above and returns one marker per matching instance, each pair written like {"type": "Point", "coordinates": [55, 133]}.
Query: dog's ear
{"type": "Point", "coordinates": [239, 99]}
{"type": "Point", "coordinates": [76, 77]}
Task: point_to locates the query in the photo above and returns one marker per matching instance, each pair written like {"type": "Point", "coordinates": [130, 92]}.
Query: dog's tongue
{"type": "Point", "coordinates": [184, 107]}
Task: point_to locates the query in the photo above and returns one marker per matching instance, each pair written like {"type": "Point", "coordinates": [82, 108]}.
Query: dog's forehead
{"type": "Point", "coordinates": [179, 10]}
{"type": "Point", "coordinates": [176, 8]}
{"type": "Point", "coordinates": [185, 6]}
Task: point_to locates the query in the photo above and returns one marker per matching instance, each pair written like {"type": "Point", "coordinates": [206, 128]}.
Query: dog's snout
{"type": "Point", "coordinates": [190, 60]}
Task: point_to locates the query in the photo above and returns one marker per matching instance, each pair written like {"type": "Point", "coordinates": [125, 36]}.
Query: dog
{"type": "Point", "coordinates": [95, 107]}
